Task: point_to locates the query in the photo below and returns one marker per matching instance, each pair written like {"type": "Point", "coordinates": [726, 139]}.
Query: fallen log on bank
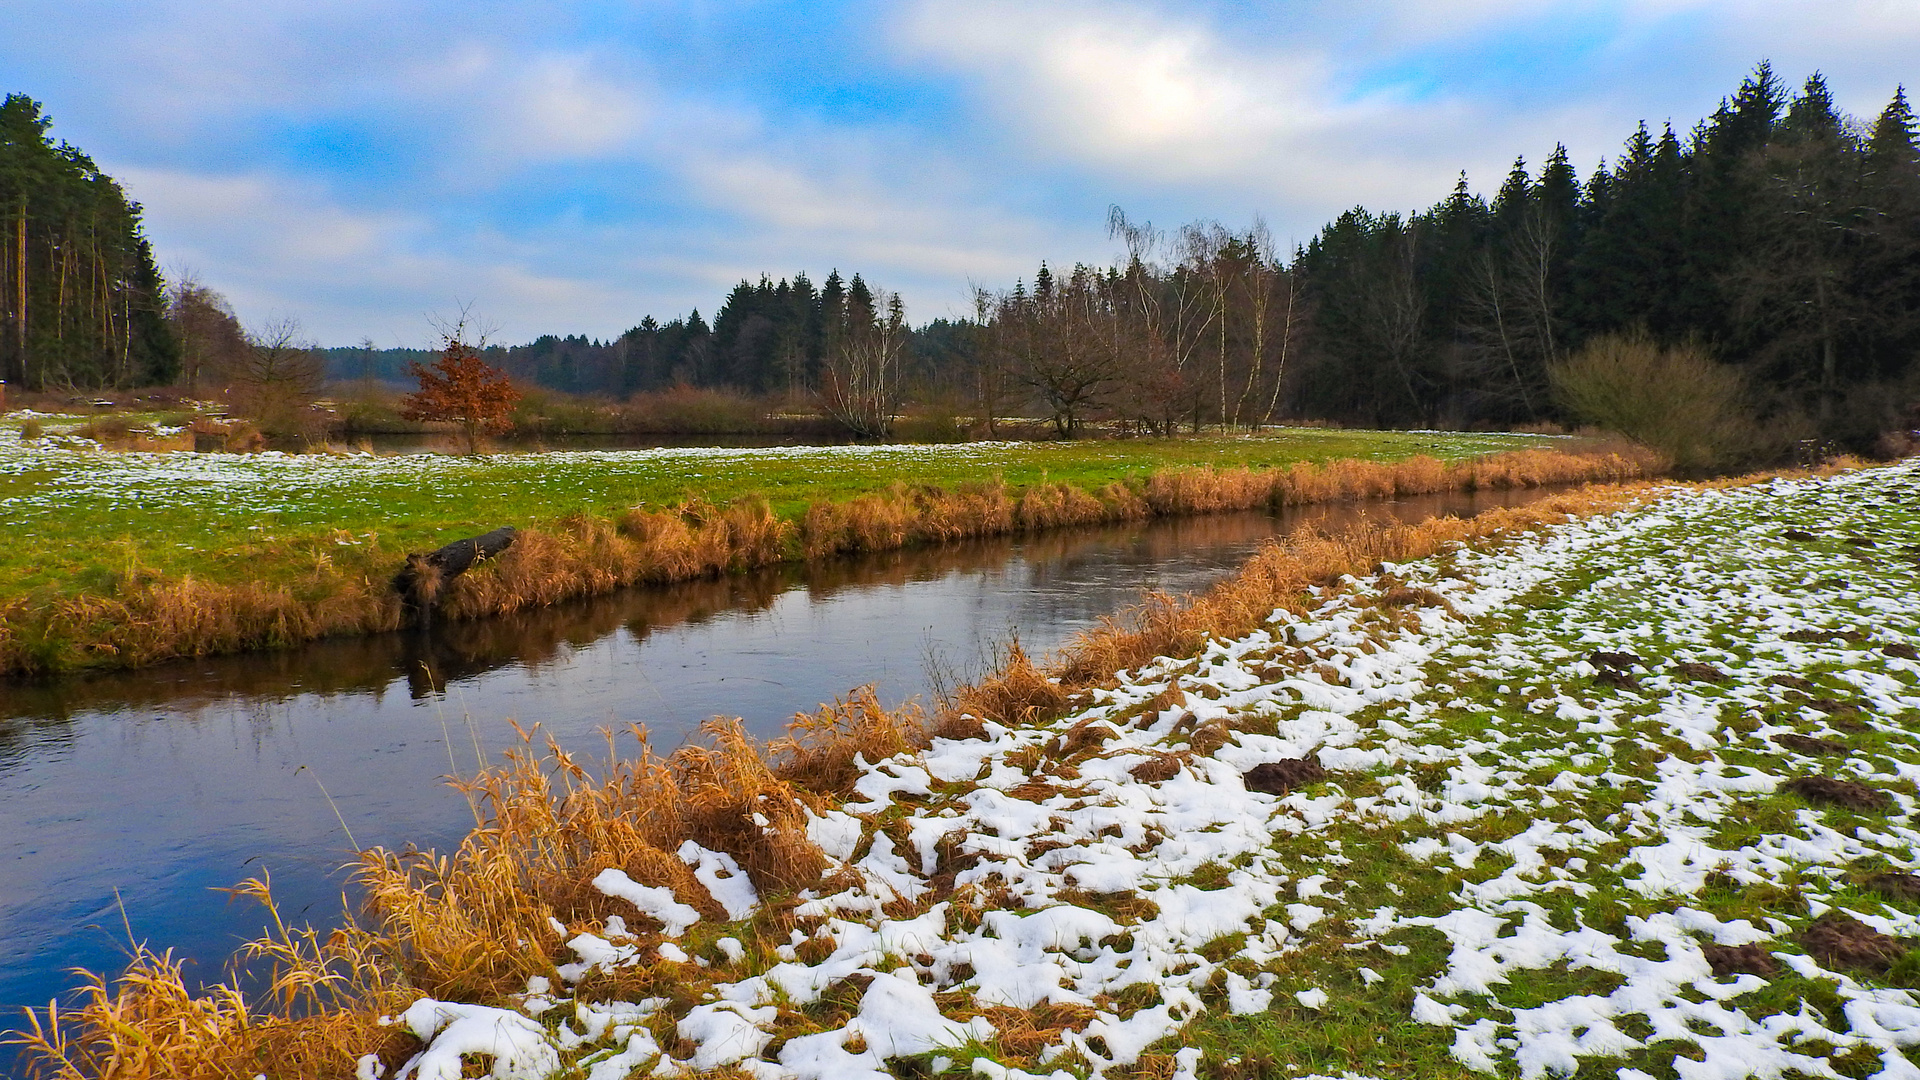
{"type": "Point", "coordinates": [423, 578]}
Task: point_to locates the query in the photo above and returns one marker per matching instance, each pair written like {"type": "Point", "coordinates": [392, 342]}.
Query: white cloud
{"type": "Point", "coordinates": [279, 247]}
{"type": "Point", "coordinates": [493, 110]}
{"type": "Point", "coordinates": [1152, 104]}
{"type": "Point", "coordinates": [1125, 87]}
{"type": "Point", "coordinates": [559, 106]}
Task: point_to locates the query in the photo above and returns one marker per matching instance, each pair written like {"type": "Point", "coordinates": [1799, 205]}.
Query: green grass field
{"type": "Point", "coordinates": [81, 518]}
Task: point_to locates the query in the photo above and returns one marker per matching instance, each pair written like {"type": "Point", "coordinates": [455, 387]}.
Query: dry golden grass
{"type": "Point", "coordinates": [476, 924]}
{"type": "Point", "coordinates": [1012, 696]}
{"type": "Point", "coordinates": [1279, 576]}
{"type": "Point", "coordinates": [152, 621]}
{"type": "Point", "coordinates": [821, 748]}
{"type": "Point", "coordinates": [324, 999]}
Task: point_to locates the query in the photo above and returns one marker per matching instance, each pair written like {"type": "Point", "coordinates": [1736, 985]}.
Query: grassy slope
{"type": "Point", "coordinates": [1506, 707]}
{"type": "Point", "coordinates": [78, 519]}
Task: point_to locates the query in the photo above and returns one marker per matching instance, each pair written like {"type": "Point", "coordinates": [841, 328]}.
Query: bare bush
{"type": "Point", "coordinates": [861, 384]}
{"type": "Point", "coordinates": [276, 379]}
{"type": "Point", "coordinates": [1674, 400]}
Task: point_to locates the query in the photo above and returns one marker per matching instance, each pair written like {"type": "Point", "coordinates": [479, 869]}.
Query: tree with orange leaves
{"type": "Point", "coordinates": [463, 389]}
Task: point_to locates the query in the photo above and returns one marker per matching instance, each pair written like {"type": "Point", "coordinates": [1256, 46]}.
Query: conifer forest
{"type": "Point", "coordinates": [80, 299]}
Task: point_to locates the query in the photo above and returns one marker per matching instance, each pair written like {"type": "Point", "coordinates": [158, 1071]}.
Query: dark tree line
{"type": "Point", "coordinates": [1779, 233]}
{"type": "Point", "coordinates": [785, 338]}
{"type": "Point", "coordinates": [80, 300]}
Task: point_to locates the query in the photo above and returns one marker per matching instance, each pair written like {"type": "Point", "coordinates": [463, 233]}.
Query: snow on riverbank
{"type": "Point", "coordinates": [1551, 828]}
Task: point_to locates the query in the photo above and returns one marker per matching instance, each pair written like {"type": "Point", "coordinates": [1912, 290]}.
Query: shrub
{"type": "Point", "coordinates": [30, 428]}
{"type": "Point", "coordinates": [687, 410]}
{"type": "Point", "coordinates": [1674, 400]}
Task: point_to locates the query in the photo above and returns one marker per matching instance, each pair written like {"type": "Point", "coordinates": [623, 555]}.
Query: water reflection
{"type": "Point", "coordinates": [151, 787]}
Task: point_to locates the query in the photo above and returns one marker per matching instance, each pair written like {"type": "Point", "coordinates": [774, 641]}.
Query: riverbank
{"type": "Point", "coordinates": [122, 560]}
{"type": "Point", "coordinates": [1623, 777]}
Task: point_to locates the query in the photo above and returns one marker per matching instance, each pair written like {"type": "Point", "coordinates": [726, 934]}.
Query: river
{"type": "Point", "coordinates": [127, 798]}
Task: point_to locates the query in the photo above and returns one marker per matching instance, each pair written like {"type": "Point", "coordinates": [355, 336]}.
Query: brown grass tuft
{"type": "Point", "coordinates": [821, 747]}
{"type": "Point", "coordinates": [1018, 693]}
{"type": "Point", "coordinates": [474, 925]}
{"type": "Point", "coordinates": [1024, 1033]}
{"type": "Point", "coordinates": [327, 997]}
{"type": "Point", "coordinates": [1058, 506]}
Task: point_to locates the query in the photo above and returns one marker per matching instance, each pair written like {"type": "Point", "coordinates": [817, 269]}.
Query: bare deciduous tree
{"type": "Point", "coordinates": [212, 344]}
{"type": "Point", "coordinates": [276, 379]}
{"type": "Point", "coordinates": [861, 382]}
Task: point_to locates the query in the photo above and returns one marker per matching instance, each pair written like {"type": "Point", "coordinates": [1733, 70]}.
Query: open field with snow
{"type": "Point", "coordinates": [1629, 796]}
{"type": "Point", "coordinates": [71, 506]}
{"type": "Point", "coordinates": [126, 558]}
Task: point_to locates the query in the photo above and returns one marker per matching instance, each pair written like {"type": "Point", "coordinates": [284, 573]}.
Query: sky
{"type": "Point", "coordinates": [365, 166]}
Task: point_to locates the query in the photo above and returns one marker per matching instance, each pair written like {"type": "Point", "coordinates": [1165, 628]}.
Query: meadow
{"type": "Point", "coordinates": [1621, 783]}
{"type": "Point", "coordinates": [123, 558]}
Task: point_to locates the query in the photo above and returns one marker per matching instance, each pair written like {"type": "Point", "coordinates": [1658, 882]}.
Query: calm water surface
{"type": "Point", "coordinates": [126, 799]}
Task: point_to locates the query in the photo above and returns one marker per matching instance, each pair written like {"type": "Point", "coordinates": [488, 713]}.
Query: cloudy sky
{"type": "Point", "coordinates": [570, 167]}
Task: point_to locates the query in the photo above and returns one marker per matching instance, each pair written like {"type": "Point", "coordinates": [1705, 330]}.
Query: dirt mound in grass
{"type": "Point", "coordinates": [1737, 959]}
{"type": "Point", "coordinates": [1842, 793]}
{"type": "Point", "coordinates": [1619, 680]}
{"type": "Point", "coordinates": [1801, 744]}
{"type": "Point", "coordinates": [1849, 945]}
{"type": "Point", "coordinates": [1280, 777]}
{"type": "Point", "coordinates": [1896, 886]}
{"type": "Point", "coordinates": [1620, 661]}
{"type": "Point", "coordinates": [1700, 672]}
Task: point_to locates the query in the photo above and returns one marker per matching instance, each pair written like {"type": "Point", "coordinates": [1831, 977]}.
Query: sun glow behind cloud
{"type": "Point", "coordinates": [573, 167]}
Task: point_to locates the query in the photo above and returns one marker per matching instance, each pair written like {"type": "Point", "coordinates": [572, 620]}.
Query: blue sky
{"type": "Point", "coordinates": [572, 167]}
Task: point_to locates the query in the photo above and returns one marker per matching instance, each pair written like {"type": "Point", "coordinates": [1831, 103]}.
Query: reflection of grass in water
{"type": "Point", "coordinates": [126, 559]}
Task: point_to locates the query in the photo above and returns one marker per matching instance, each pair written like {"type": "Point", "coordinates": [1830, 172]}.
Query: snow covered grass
{"type": "Point", "coordinates": [1527, 808]}
{"type": "Point", "coordinates": [126, 558]}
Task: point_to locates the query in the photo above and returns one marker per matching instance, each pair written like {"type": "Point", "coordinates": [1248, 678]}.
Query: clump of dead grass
{"type": "Point", "coordinates": [823, 749]}
{"type": "Point", "coordinates": [320, 1014]}
{"type": "Point", "coordinates": [1017, 694]}
{"type": "Point", "coordinates": [477, 923]}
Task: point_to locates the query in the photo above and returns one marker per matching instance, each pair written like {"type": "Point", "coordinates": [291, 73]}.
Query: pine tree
{"type": "Point", "coordinates": [1889, 267]}
{"type": "Point", "coordinates": [1790, 284]}
{"type": "Point", "coordinates": [80, 298]}
{"type": "Point", "coordinates": [1892, 147]}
